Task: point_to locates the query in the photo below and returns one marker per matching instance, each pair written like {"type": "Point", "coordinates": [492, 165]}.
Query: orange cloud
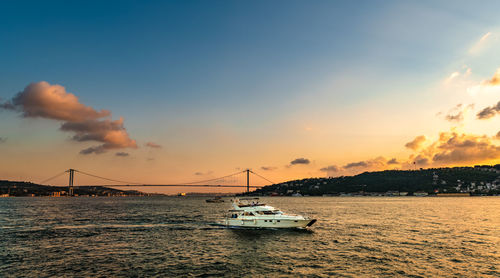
{"type": "Point", "coordinates": [111, 133]}
{"type": "Point", "coordinates": [53, 102]}
{"type": "Point", "coordinates": [452, 148]}
{"type": "Point", "coordinates": [392, 161]}
{"type": "Point", "coordinates": [416, 143]}
{"type": "Point", "coordinates": [494, 81]}
{"type": "Point", "coordinates": [421, 160]}
{"type": "Point", "coordinates": [376, 163]}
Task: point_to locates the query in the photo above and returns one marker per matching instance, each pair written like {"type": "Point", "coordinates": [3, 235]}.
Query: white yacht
{"type": "Point", "coordinates": [248, 212]}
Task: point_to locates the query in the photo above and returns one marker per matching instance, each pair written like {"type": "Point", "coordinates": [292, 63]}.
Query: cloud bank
{"type": "Point", "coordinates": [268, 168]}
{"type": "Point", "coordinates": [453, 148]}
{"type": "Point", "coordinates": [42, 100]}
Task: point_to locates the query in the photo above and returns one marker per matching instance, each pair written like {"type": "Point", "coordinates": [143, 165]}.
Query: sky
{"type": "Point", "coordinates": [166, 92]}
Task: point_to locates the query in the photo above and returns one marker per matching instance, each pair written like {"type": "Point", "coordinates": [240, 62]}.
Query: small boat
{"type": "Point", "coordinates": [250, 213]}
{"type": "Point", "coordinates": [215, 200]}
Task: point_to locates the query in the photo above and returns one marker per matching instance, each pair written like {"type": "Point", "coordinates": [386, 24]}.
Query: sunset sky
{"type": "Point", "coordinates": [179, 91]}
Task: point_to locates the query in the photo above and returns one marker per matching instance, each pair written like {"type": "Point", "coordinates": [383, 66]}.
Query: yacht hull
{"type": "Point", "coordinates": [264, 223]}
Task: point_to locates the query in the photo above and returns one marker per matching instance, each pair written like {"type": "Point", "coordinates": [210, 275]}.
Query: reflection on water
{"type": "Point", "coordinates": [164, 236]}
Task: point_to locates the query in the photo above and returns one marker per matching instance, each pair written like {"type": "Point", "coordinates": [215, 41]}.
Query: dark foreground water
{"type": "Point", "coordinates": [167, 236]}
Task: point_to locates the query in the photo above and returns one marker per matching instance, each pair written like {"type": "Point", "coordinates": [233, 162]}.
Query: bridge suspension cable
{"type": "Point", "coordinates": [99, 177]}
{"type": "Point", "coordinates": [261, 177]}
{"type": "Point", "coordinates": [51, 178]}
{"type": "Point", "coordinates": [184, 185]}
{"type": "Point", "coordinates": [211, 180]}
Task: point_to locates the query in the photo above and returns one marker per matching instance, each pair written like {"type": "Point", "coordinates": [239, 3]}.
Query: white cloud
{"type": "Point", "coordinates": [458, 76]}
{"type": "Point", "coordinates": [452, 76]}
{"type": "Point", "coordinates": [489, 86]}
{"type": "Point", "coordinates": [481, 44]}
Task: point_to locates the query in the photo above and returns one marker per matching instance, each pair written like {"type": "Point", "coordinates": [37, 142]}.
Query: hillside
{"type": "Point", "coordinates": [484, 180]}
{"type": "Point", "coordinates": [20, 189]}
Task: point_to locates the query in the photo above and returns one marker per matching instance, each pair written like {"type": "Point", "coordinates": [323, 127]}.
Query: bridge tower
{"type": "Point", "coordinates": [248, 180]}
{"type": "Point", "coordinates": [71, 179]}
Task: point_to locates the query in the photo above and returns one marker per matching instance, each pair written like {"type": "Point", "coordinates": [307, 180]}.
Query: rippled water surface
{"type": "Point", "coordinates": [170, 236]}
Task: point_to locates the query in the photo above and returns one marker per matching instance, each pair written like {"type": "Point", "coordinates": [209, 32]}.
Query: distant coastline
{"type": "Point", "coordinates": [480, 180]}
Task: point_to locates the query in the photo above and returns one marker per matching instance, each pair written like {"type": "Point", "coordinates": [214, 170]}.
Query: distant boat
{"type": "Point", "coordinates": [466, 194]}
{"type": "Point", "coordinates": [420, 193]}
{"type": "Point", "coordinates": [215, 200]}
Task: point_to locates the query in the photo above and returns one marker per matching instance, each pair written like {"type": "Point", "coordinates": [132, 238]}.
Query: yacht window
{"type": "Point", "coordinates": [248, 214]}
{"type": "Point", "coordinates": [279, 220]}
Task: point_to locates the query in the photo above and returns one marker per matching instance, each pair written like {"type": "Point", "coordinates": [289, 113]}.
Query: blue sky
{"type": "Point", "coordinates": [194, 52]}
{"type": "Point", "coordinates": [181, 71]}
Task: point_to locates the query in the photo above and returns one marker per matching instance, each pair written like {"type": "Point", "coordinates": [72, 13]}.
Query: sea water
{"type": "Point", "coordinates": [177, 236]}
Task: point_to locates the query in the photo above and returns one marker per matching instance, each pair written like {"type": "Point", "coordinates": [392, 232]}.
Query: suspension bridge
{"type": "Point", "coordinates": [233, 180]}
